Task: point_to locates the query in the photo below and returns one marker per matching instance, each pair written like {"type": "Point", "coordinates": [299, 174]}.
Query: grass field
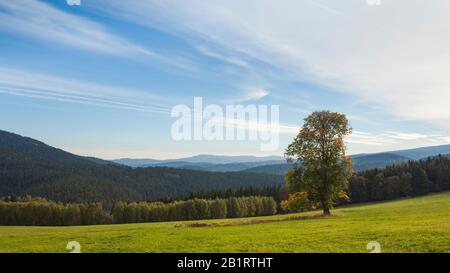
{"type": "Point", "coordinates": [411, 225]}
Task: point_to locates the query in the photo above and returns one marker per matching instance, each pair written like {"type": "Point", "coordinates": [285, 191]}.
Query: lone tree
{"type": "Point", "coordinates": [324, 169]}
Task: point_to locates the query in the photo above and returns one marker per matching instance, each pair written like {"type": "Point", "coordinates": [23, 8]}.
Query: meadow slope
{"type": "Point", "coordinates": [410, 225]}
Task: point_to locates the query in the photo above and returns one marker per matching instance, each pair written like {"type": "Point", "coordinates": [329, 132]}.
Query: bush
{"type": "Point", "coordinates": [297, 202]}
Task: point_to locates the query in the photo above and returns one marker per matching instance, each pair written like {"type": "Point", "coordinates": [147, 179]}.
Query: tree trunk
{"type": "Point", "coordinates": [326, 211]}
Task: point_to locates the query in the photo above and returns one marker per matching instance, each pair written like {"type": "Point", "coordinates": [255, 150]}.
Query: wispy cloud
{"type": "Point", "coordinates": [399, 62]}
{"type": "Point", "coordinates": [385, 141]}
{"type": "Point", "coordinates": [247, 94]}
{"type": "Point", "coordinates": [45, 22]}
{"type": "Point", "coordinates": [48, 87]}
{"type": "Point", "coordinates": [221, 57]}
{"type": "Point", "coordinates": [325, 7]}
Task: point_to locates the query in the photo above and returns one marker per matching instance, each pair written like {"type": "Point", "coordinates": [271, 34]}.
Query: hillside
{"type": "Point", "coordinates": [28, 166]}
{"type": "Point", "coordinates": [227, 167]}
{"type": "Point", "coordinates": [424, 152]}
{"type": "Point", "coordinates": [409, 225]}
{"type": "Point", "coordinates": [360, 163]}
{"type": "Point", "coordinates": [381, 160]}
{"type": "Point", "coordinates": [279, 169]}
{"type": "Point", "coordinates": [277, 165]}
{"type": "Point", "coordinates": [27, 147]}
{"type": "Point", "coordinates": [199, 161]}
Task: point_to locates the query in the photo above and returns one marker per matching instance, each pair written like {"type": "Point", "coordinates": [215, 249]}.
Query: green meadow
{"type": "Point", "coordinates": [410, 225]}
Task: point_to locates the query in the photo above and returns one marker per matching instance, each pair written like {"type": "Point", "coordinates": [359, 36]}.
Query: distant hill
{"type": "Point", "coordinates": [229, 167]}
{"type": "Point", "coordinates": [223, 159]}
{"type": "Point", "coordinates": [199, 161]}
{"type": "Point", "coordinates": [360, 163]}
{"type": "Point", "coordinates": [234, 167]}
{"type": "Point", "coordinates": [11, 143]}
{"type": "Point", "coordinates": [135, 162]}
{"type": "Point", "coordinates": [278, 169]}
{"type": "Point", "coordinates": [424, 152]}
{"type": "Point", "coordinates": [381, 160]}
{"type": "Point", "coordinates": [100, 161]}
{"type": "Point", "coordinates": [278, 166]}
{"type": "Point", "coordinates": [28, 166]}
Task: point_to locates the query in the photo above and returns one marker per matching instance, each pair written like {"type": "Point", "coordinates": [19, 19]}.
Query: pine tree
{"type": "Point", "coordinates": [419, 181]}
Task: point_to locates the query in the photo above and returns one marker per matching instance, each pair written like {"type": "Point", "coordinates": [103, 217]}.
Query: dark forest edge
{"type": "Point", "coordinates": [414, 178]}
{"type": "Point", "coordinates": [30, 211]}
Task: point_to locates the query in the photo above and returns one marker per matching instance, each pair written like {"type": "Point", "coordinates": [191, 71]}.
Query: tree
{"type": "Point", "coordinates": [218, 209]}
{"type": "Point", "coordinates": [393, 187]}
{"type": "Point", "coordinates": [236, 207]}
{"type": "Point", "coordinates": [342, 198]}
{"type": "Point", "coordinates": [319, 147]}
{"type": "Point", "coordinates": [269, 205]}
{"type": "Point", "coordinates": [405, 184]}
{"type": "Point", "coordinates": [297, 202]}
{"type": "Point", "coordinates": [378, 187]}
{"type": "Point", "coordinates": [358, 189]}
{"type": "Point", "coordinates": [118, 212]}
{"type": "Point", "coordinates": [419, 181]}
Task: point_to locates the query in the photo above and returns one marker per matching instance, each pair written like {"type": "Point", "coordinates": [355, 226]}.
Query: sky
{"type": "Point", "coordinates": [101, 78]}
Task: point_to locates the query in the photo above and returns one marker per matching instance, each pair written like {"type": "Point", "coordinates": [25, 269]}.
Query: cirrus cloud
{"type": "Point", "coordinates": [396, 55]}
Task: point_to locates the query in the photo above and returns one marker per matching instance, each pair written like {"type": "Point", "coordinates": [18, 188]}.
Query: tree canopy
{"type": "Point", "coordinates": [319, 147]}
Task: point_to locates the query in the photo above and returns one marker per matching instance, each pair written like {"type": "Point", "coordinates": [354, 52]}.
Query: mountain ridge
{"type": "Point", "coordinates": [201, 159]}
{"type": "Point", "coordinates": [28, 166]}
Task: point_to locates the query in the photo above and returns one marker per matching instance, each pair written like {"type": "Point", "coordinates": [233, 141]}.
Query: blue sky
{"type": "Point", "coordinates": [101, 78]}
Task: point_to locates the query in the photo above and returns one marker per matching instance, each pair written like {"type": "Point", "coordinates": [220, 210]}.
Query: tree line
{"type": "Point", "coordinates": [41, 212]}
{"type": "Point", "coordinates": [245, 191]}
{"type": "Point", "coordinates": [29, 211]}
{"type": "Point", "coordinates": [195, 209]}
{"type": "Point", "coordinates": [413, 178]}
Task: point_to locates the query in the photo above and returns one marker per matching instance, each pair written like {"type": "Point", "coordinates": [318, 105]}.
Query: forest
{"type": "Point", "coordinates": [30, 167]}
{"type": "Point", "coordinates": [413, 178]}
{"type": "Point", "coordinates": [73, 190]}
{"type": "Point", "coordinates": [28, 211]}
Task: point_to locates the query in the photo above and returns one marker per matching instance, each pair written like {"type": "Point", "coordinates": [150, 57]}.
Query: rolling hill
{"type": "Point", "coordinates": [381, 160]}
{"type": "Point", "coordinates": [28, 166]}
{"type": "Point", "coordinates": [228, 167]}
{"type": "Point", "coordinates": [423, 152]}
{"type": "Point", "coordinates": [277, 165]}
{"type": "Point", "coordinates": [198, 160]}
{"type": "Point", "coordinates": [279, 169]}
{"type": "Point", "coordinates": [27, 147]}
{"type": "Point", "coordinates": [360, 163]}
